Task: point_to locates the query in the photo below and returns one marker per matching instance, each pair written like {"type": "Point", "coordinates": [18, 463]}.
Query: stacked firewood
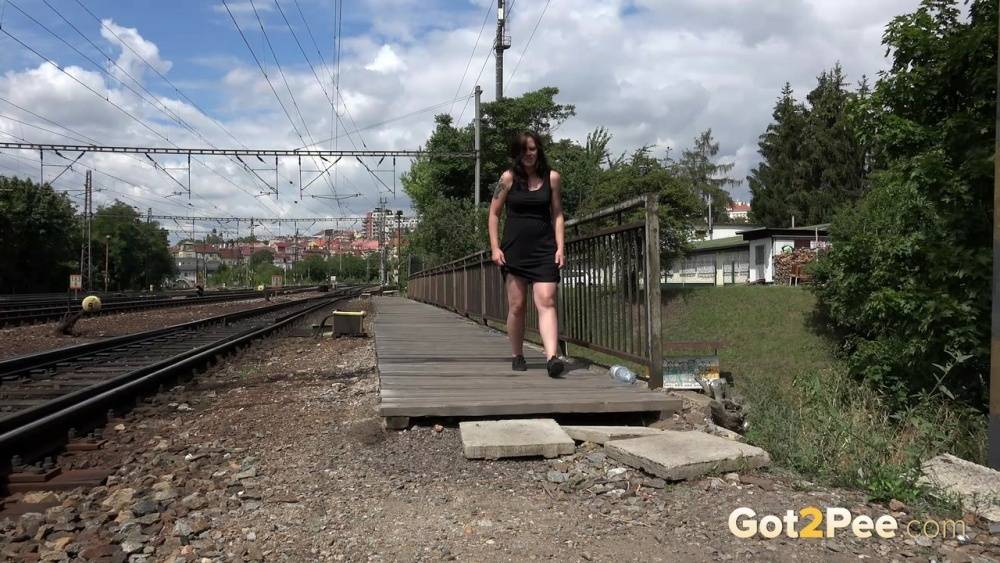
{"type": "Point", "coordinates": [791, 267]}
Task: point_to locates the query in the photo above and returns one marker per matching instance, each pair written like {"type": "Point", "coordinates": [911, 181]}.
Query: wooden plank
{"type": "Point", "coordinates": [435, 363]}
{"type": "Point", "coordinates": [518, 408]}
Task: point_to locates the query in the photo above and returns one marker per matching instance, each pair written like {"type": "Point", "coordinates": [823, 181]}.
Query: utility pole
{"type": "Point", "coordinates": [993, 432]}
{"type": "Point", "coordinates": [501, 44]}
{"type": "Point", "coordinates": [86, 266]}
{"type": "Point", "coordinates": [479, 92]}
{"type": "Point", "coordinates": [380, 212]}
{"type": "Point", "coordinates": [149, 215]}
{"type": "Point", "coordinates": [710, 216]}
{"type": "Point", "coordinates": [107, 261]}
{"type": "Point", "coordinates": [399, 242]}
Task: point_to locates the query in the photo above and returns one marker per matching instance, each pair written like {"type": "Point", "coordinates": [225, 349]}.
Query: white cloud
{"type": "Point", "coordinates": [653, 73]}
{"type": "Point", "coordinates": [134, 50]}
{"type": "Point", "coordinates": [386, 61]}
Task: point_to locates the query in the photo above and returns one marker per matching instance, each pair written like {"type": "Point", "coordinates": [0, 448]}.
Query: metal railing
{"type": "Point", "coordinates": [612, 257]}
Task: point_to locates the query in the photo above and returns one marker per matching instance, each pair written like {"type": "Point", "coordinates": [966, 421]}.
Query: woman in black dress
{"type": "Point", "coordinates": [531, 251]}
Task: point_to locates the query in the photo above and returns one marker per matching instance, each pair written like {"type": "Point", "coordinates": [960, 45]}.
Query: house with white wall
{"type": "Point", "coordinates": [746, 257]}
{"type": "Point", "coordinates": [766, 243]}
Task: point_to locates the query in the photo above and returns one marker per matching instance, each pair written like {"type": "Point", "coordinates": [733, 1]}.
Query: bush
{"type": "Point", "coordinates": [908, 278]}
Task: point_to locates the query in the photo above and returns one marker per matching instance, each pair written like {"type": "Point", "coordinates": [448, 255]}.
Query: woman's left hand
{"type": "Point", "coordinates": [560, 258]}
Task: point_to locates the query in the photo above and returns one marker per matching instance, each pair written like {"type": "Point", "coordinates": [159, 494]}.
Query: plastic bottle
{"type": "Point", "coordinates": [622, 374]}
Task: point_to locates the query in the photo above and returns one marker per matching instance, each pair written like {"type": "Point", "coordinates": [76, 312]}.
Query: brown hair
{"type": "Point", "coordinates": [517, 150]}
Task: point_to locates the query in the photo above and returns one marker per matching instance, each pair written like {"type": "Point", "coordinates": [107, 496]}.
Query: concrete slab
{"type": "Point", "coordinates": [978, 487]}
{"type": "Point", "coordinates": [677, 455]}
{"type": "Point", "coordinates": [495, 439]}
{"type": "Point", "coordinates": [602, 434]}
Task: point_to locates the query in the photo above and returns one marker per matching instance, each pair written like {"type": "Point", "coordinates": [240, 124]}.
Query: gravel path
{"type": "Point", "coordinates": [22, 340]}
{"type": "Point", "coordinates": [276, 456]}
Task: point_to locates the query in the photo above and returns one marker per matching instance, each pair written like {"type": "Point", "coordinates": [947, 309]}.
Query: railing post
{"type": "Point", "coordinates": [482, 286]}
{"type": "Point", "coordinates": [653, 311]}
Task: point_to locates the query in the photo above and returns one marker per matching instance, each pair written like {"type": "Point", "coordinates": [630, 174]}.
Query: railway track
{"type": "Point", "coordinates": [47, 396]}
{"type": "Point", "coordinates": [28, 310]}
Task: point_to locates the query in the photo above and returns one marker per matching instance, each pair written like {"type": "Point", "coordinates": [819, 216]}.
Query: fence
{"type": "Point", "coordinates": [603, 303]}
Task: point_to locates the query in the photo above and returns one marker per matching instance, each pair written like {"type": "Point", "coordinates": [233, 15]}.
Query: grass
{"type": "Point", "coordinates": [803, 407]}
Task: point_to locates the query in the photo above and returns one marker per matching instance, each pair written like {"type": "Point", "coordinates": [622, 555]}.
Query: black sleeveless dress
{"type": "Point", "coordinates": [529, 236]}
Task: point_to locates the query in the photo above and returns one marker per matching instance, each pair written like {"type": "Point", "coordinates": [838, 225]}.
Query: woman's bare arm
{"type": "Point", "coordinates": [558, 220]}
{"type": "Point", "coordinates": [496, 207]}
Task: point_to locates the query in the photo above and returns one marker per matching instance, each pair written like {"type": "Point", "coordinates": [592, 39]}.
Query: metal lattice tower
{"type": "Point", "coordinates": [86, 266]}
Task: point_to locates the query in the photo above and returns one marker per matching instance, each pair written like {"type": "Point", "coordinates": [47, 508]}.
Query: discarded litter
{"type": "Point", "coordinates": [622, 374]}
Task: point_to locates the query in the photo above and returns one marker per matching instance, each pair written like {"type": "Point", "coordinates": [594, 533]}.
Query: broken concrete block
{"type": "Point", "coordinates": [721, 432]}
{"type": "Point", "coordinates": [495, 439]}
{"type": "Point", "coordinates": [675, 455]}
{"type": "Point", "coordinates": [602, 434]}
{"type": "Point", "coordinates": [978, 487]}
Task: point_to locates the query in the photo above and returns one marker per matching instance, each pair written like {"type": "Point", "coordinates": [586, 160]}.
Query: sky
{"type": "Point", "coordinates": [179, 73]}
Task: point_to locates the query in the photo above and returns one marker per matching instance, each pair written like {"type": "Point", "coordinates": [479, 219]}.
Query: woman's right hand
{"type": "Point", "coordinates": [498, 257]}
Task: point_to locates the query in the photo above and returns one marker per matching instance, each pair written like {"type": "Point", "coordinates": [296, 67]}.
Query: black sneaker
{"type": "Point", "coordinates": [518, 363]}
{"type": "Point", "coordinates": [555, 366]}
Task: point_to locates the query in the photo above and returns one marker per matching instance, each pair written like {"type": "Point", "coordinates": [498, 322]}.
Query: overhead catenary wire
{"type": "Point", "coordinates": [461, 81]}
{"type": "Point", "coordinates": [528, 43]}
{"type": "Point", "coordinates": [171, 84]}
{"type": "Point", "coordinates": [478, 76]}
{"type": "Point", "coordinates": [106, 99]}
{"type": "Point", "coordinates": [159, 74]}
{"type": "Point", "coordinates": [281, 72]}
{"type": "Point", "coordinates": [267, 78]}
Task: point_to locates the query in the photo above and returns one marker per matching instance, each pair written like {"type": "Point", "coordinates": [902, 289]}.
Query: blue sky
{"type": "Point", "coordinates": [652, 72]}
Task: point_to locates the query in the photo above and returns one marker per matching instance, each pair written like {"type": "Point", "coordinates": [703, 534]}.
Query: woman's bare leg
{"type": "Point", "coordinates": [548, 322]}
{"type": "Point", "coordinates": [517, 291]}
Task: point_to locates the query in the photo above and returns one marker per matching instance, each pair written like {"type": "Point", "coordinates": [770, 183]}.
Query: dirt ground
{"type": "Point", "coordinates": [276, 455]}
{"type": "Point", "coordinates": [28, 339]}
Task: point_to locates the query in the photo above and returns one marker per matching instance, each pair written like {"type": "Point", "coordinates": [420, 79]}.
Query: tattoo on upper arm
{"type": "Point", "coordinates": [499, 190]}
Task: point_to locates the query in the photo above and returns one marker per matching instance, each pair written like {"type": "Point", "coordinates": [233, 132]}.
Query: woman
{"type": "Point", "coordinates": [532, 247]}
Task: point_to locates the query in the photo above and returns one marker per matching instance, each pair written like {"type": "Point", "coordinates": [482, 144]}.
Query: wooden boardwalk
{"type": "Point", "coordinates": [433, 362]}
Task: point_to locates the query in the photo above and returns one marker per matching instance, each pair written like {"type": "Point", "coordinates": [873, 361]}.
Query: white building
{"type": "Point", "coordinates": [747, 257]}
{"type": "Point", "coordinates": [738, 211]}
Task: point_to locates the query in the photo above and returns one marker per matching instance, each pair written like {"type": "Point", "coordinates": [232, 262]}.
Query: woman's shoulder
{"type": "Point", "coordinates": [554, 176]}
{"type": "Point", "coordinates": [507, 177]}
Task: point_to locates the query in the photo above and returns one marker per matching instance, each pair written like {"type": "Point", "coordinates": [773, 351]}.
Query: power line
{"type": "Point", "coordinates": [333, 190]}
{"type": "Point", "coordinates": [184, 96]}
{"type": "Point", "coordinates": [281, 71]}
{"type": "Point", "coordinates": [404, 116]}
{"type": "Point", "coordinates": [406, 153]}
{"type": "Point", "coordinates": [108, 100]}
{"type": "Point", "coordinates": [528, 43]}
{"type": "Point", "coordinates": [81, 83]}
{"type": "Point", "coordinates": [485, 61]}
{"type": "Point", "coordinates": [303, 51]}
{"type": "Point", "coordinates": [486, 18]}
{"type": "Point", "coordinates": [158, 73]}
{"type": "Point", "coordinates": [47, 120]}
{"type": "Point", "coordinates": [264, 72]}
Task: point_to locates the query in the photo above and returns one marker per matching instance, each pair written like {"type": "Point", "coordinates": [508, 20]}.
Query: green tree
{"type": "Point", "coordinates": [447, 231]}
{"type": "Point", "coordinates": [780, 172]}
{"type": "Point", "coordinates": [814, 159]}
{"type": "Point", "coordinates": [262, 256]}
{"type": "Point", "coordinates": [908, 277]}
{"type": "Point", "coordinates": [579, 166]}
{"type": "Point", "coordinates": [642, 174]}
{"type": "Point", "coordinates": [313, 269]}
{"type": "Point", "coordinates": [704, 176]}
{"type": "Point", "coordinates": [138, 252]}
{"type": "Point", "coordinates": [39, 237]}
{"type": "Point", "coordinates": [430, 179]}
